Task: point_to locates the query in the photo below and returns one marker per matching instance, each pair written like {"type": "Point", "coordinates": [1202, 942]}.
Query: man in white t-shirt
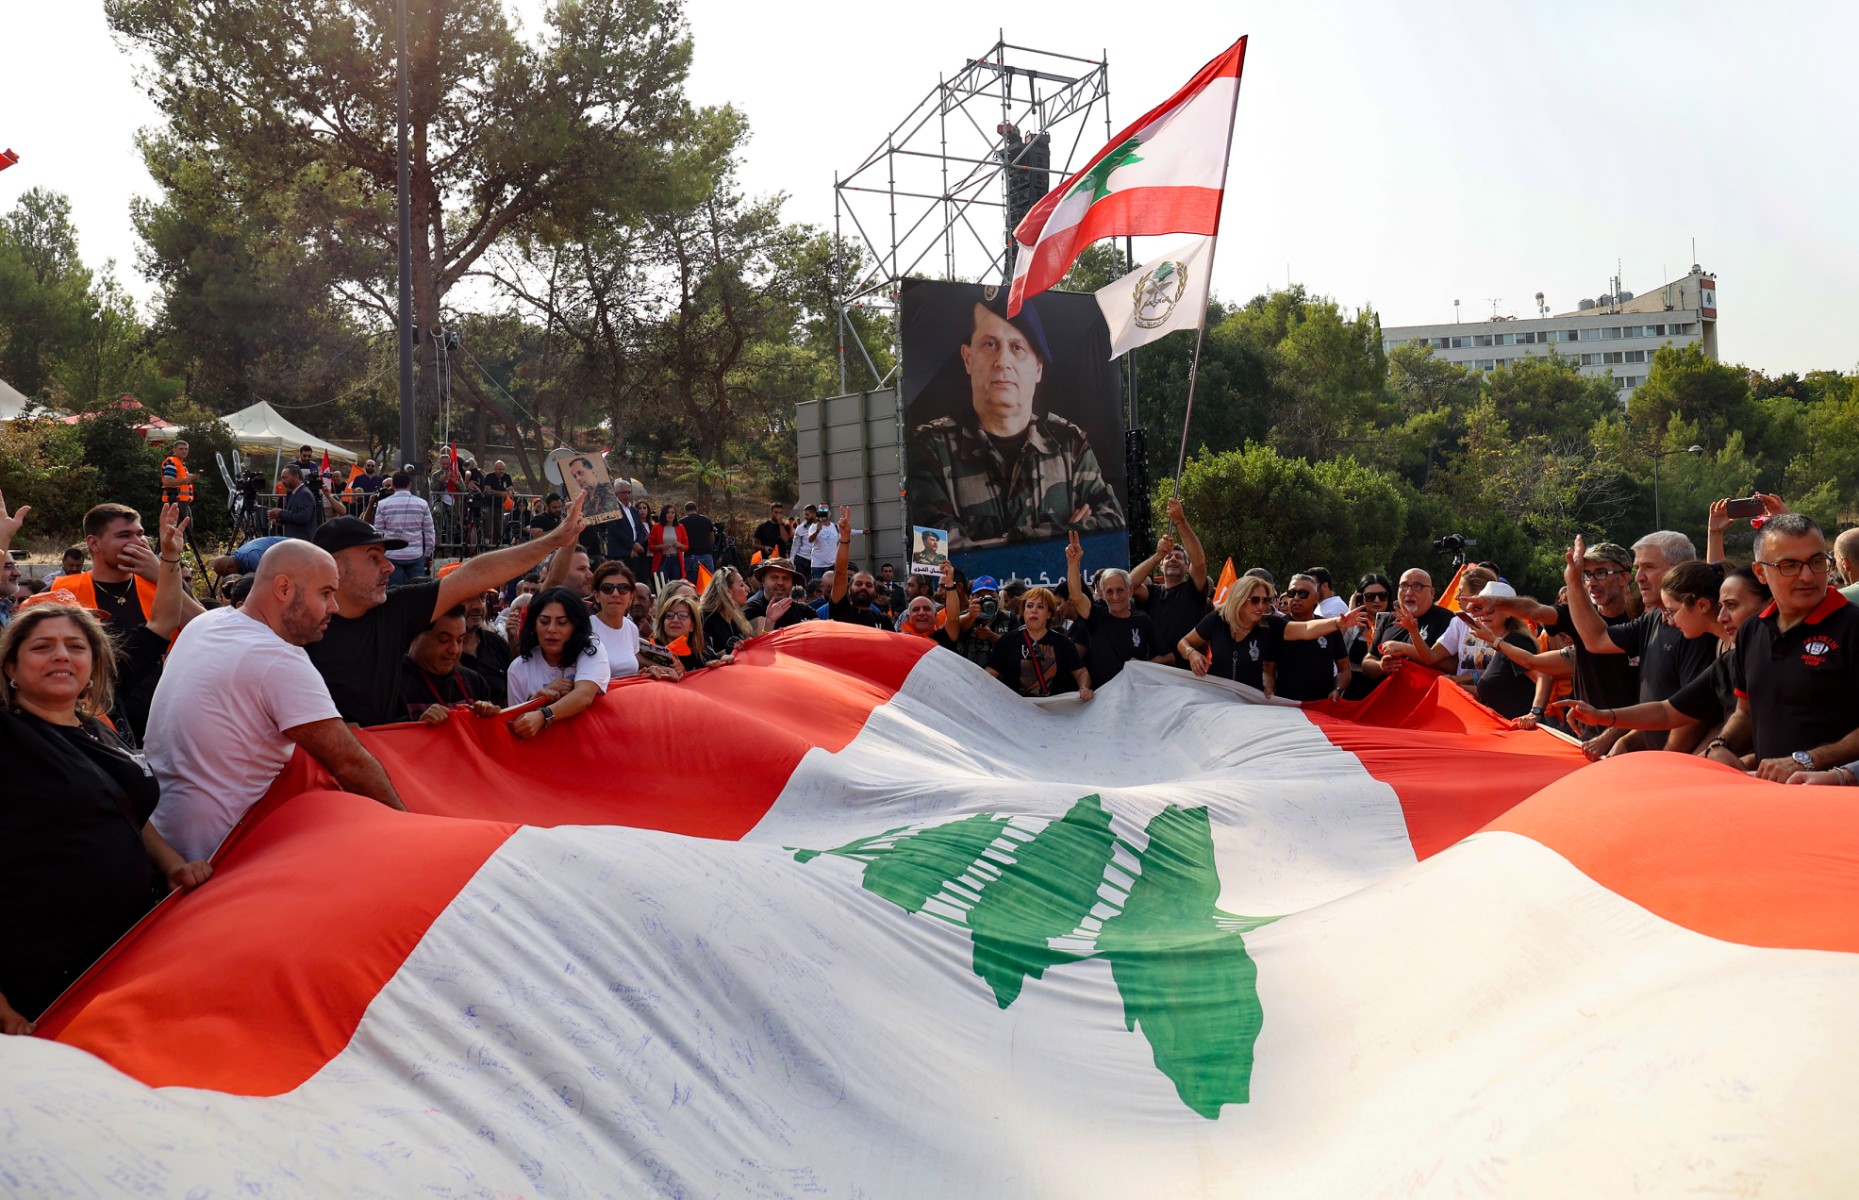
{"type": "Point", "coordinates": [238, 695]}
{"type": "Point", "coordinates": [1329, 604]}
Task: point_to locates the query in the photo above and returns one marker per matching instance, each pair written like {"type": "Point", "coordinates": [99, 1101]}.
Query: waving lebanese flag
{"type": "Point", "coordinates": [1164, 174]}
{"type": "Point", "coordinates": [893, 931]}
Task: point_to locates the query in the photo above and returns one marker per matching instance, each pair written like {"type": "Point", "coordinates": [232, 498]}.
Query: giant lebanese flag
{"type": "Point", "coordinates": [1164, 174]}
{"type": "Point", "coordinates": [850, 920]}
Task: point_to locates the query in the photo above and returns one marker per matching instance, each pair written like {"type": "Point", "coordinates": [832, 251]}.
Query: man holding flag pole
{"type": "Point", "coordinates": [1157, 177]}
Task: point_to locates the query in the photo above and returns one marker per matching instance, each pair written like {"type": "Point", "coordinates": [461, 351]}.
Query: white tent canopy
{"type": "Point", "coordinates": [262, 427]}
{"type": "Point", "coordinates": [12, 404]}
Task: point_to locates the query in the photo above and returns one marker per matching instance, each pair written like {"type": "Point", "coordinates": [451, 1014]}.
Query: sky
{"type": "Point", "coordinates": [1395, 156]}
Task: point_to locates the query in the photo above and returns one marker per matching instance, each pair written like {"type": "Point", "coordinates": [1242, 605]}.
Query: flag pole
{"type": "Point", "coordinates": [1200, 331]}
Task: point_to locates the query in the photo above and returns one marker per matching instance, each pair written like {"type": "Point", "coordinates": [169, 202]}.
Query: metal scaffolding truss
{"type": "Point", "coordinates": [932, 198]}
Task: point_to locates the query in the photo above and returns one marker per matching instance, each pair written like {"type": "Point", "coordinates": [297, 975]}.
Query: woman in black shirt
{"type": "Point", "coordinates": [1037, 660]}
{"type": "Point", "coordinates": [84, 862]}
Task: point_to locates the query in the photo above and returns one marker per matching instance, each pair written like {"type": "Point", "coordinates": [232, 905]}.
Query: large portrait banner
{"type": "Point", "coordinates": [1014, 429]}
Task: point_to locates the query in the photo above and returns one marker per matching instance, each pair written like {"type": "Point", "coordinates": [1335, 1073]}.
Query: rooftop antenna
{"type": "Point", "coordinates": [1455, 312]}
{"type": "Point", "coordinates": [1542, 310]}
{"type": "Point", "coordinates": [1494, 305]}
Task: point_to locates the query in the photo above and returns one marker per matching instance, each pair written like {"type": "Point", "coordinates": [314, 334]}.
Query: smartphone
{"type": "Point", "coordinates": [1751, 507]}
{"type": "Point", "coordinates": [657, 656]}
{"type": "Point", "coordinates": [1462, 615]}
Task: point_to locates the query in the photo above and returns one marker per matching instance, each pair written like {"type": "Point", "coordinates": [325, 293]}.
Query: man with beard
{"type": "Point", "coordinates": [239, 695]}
{"type": "Point", "coordinates": [1180, 602]}
{"type": "Point", "coordinates": [359, 658]}
{"type": "Point", "coordinates": [852, 600]}
{"type": "Point", "coordinates": [1414, 595]}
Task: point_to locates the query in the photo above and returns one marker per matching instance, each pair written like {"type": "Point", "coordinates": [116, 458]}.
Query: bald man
{"type": "Point", "coordinates": [1846, 558]}
{"type": "Point", "coordinates": [239, 695]}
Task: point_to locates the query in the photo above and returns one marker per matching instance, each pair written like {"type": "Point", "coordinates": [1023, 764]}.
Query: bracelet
{"type": "Point", "coordinates": [166, 559]}
{"type": "Point", "coordinates": [1851, 778]}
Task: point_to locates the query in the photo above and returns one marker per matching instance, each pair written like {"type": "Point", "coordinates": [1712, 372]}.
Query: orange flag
{"type": "Point", "coordinates": [1449, 595]}
{"type": "Point", "coordinates": [680, 646]}
{"type": "Point", "coordinates": [703, 579]}
{"type": "Point", "coordinates": [1228, 577]}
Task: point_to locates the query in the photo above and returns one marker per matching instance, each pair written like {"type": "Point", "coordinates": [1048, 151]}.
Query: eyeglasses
{"type": "Point", "coordinates": [676, 614]}
{"type": "Point", "coordinates": [1299, 593]}
{"type": "Point", "coordinates": [1258, 599]}
{"type": "Point", "coordinates": [614, 589]}
{"type": "Point", "coordinates": [1790, 568]}
{"type": "Point", "coordinates": [1603, 573]}
{"type": "Point", "coordinates": [1381, 596]}
{"type": "Point", "coordinates": [1414, 587]}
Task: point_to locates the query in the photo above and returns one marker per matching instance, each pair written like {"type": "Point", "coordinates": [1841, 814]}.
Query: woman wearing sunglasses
{"type": "Point", "coordinates": [614, 626]}
{"type": "Point", "coordinates": [1239, 639]}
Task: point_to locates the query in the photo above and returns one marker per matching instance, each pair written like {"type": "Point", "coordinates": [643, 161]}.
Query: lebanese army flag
{"type": "Point", "coordinates": [887, 929]}
{"type": "Point", "coordinates": [1164, 294]}
{"type": "Point", "coordinates": [1164, 174]}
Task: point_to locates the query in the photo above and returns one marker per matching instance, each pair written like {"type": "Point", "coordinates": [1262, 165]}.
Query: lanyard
{"type": "Point", "coordinates": [456, 678]}
{"type": "Point", "coordinates": [1032, 652]}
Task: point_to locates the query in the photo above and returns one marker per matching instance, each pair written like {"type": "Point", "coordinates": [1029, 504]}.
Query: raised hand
{"type": "Point", "coordinates": [1166, 546]}
{"type": "Point", "coordinates": [1578, 554]}
{"type": "Point", "coordinates": [1719, 519]}
{"type": "Point", "coordinates": [1176, 516]}
{"type": "Point", "coordinates": [845, 525]}
{"type": "Point", "coordinates": [1074, 550]}
{"type": "Point", "coordinates": [9, 524]}
{"type": "Point", "coordinates": [173, 535]}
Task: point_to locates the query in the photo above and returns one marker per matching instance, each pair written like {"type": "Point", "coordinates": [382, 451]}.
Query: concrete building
{"type": "Point", "coordinates": [1614, 334]}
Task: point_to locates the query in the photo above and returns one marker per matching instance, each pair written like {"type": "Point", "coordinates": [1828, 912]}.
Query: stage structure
{"type": "Point", "coordinates": [938, 197]}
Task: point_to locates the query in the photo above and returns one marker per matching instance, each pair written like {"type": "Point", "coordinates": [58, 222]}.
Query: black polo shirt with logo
{"type": "Point", "coordinates": [1110, 641]}
{"type": "Point", "coordinates": [1307, 669]}
{"type": "Point", "coordinates": [1802, 684]}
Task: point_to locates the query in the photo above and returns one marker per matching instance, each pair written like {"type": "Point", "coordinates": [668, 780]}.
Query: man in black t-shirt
{"type": "Point", "coordinates": [701, 531]}
{"type": "Point", "coordinates": [1415, 594]}
{"type": "Point", "coordinates": [359, 656]}
{"type": "Point", "coordinates": [852, 599]}
{"type": "Point", "coordinates": [1114, 633]}
{"type": "Point", "coordinates": [1797, 662]}
{"type": "Point", "coordinates": [545, 521]}
{"type": "Point", "coordinates": [1603, 680]}
{"type": "Point", "coordinates": [1178, 603]}
{"type": "Point", "coordinates": [1315, 668]}
{"type": "Point", "coordinates": [775, 536]}
{"type": "Point", "coordinates": [433, 679]}
{"type": "Point", "coordinates": [498, 488]}
{"type": "Point", "coordinates": [1664, 658]}
{"type": "Point", "coordinates": [775, 606]}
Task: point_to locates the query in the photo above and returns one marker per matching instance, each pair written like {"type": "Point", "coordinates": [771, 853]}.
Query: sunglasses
{"type": "Point", "coordinates": [1381, 596]}
{"type": "Point", "coordinates": [1258, 599]}
{"type": "Point", "coordinates": [1299, 593]}
{"type": "Point", "coordinates": [1603, 573]}
{"type": "Point", "coordinates": [614, 589]}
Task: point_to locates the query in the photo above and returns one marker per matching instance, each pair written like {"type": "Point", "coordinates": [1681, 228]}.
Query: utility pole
{"type": "Point", "coordinates": [409, 440]}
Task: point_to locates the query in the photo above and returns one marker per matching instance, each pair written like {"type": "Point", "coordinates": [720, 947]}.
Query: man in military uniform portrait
{"type": "Point", "coordinates": [1006, 472]}
{"type": "Point", "coordinates": [930, 555]}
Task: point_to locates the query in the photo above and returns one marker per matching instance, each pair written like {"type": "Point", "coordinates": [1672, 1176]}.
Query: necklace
{"type": "Point", "coordinates": [117, 592]}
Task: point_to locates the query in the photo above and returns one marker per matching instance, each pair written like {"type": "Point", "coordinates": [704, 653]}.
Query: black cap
{"type": "Point", "coordinates": [346, 533]}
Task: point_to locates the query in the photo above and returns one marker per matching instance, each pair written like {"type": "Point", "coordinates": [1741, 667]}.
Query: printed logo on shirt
{"type": "Point", "coordinates": [1252, 650]}
{"type": "Point", "coordinates": [1817, 649]}
{"type": "Point", "coordinates": [1136, 639]}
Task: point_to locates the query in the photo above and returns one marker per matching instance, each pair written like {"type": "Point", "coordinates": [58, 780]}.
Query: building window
{"type": "Point", "coordinates": [1461, 343]}
{"type": "Point", "coordinates": [1566, 335]}
{"type": "Point", "coordinates": [1612, 333]}
{"type": "Point", "coordinates": [1590, 360]}
{"type": "Point", "coordinates": [1655, 331]}
{"type": "Point", "coordinates": [1611, 358]}
{"type": "Point", "coordinates": [1635, 356]}
{"type": "Point", "coordinates": [1485, 364]}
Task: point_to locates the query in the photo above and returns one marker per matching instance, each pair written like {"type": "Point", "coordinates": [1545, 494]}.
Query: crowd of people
{"type": "Point", "coordinates": [140, 723]}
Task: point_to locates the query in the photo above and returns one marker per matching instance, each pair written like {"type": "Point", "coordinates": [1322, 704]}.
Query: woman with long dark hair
{"type": "Point", "coordinates": [669, 543]}
{"type": "Point", "coordinates": [559, 660]}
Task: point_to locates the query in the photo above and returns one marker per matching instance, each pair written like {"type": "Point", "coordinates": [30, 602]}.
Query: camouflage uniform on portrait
{"type": "Point", "coordinates": [960, 482]}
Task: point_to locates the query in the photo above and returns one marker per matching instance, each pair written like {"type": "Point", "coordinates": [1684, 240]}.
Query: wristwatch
{"type": "Point", "coordinates": [1804, 758]}
{"type": "Point", "coordinates": [548, 715]}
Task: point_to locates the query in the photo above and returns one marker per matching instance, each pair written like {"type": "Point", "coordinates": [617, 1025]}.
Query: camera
{"type": "Point", "coordinates": [990, 608]}
{"type": "Point", "coordinates": [1454, 542]}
